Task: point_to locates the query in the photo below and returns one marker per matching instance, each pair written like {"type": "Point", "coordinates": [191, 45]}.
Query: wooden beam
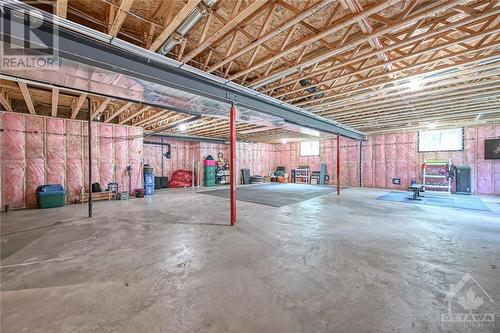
{"type": "Point", "coordinates": [408, 67]}
{"type": "Point", "coordinates": [55, 101]}
{"type": "Point", "coordinates": [120, 17]}
{"type": "Point", "coordinates": [78, 106]}
{"type": "Point", "coordinates": [416, 40]}
{"type": "Point", "coordinates": [378, 97]}
{"type": "Point", "coordinates": [27, 97]}
{"type": "Point", "coordinates": [251, 9]}
{"type": "Point", "coordinates": [117, 112]}
{"type": "Point", "coordinates": [62, 8]}
{"type": "Point", "coordinates": [480, 90]}
{"type": "Point", "coordinates": [322, 101]}
{"type": "Point", "coordinates": [155, 120]}
{"type": "Point", "coordinates": [5, 102]}
{"type": "Point", "coordinates": [174, 24]}
{"type": "Point", "coordinates": [152, 117]}
{"type": "Point", "coordinates": [404, 107]}
{"type": "Point", "coordinates": [135, 114]}
{"type": "Point", "coordinates": [308, 40]}
{"type": "Point", "coordinates": [101, 107]}
{"type": "Point", "coordinates": [349, 44]}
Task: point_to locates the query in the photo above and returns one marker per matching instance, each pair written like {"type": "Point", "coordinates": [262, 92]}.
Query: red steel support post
{"type": "Point", "coordinates": [232, 163]}
{"type": "Point", "coordinates": [338, 164]}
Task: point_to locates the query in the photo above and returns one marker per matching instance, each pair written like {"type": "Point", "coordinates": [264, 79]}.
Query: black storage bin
{"type": "Point", "coordinates": [157, 183]}
{"type": "Point", "coordinates": [464, 180]}
{"type": "Point", "coordinates": [164, 182]}
{"type": "Point", "coordinates": [161, 182]}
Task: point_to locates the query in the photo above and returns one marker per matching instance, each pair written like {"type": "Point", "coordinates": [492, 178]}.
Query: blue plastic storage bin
{"type": "Point", "coordinates": [149, 179]}
{"type": "Point", "coordinates": [149, 190]}
{"type": "Point", "coordinates": [49, 196]}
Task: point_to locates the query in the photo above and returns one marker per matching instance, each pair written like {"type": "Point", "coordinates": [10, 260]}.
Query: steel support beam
{"type": "Point", "coordinates": [232, 162]}
{"type": "Point", "coordinates": [89, 47]}
{"type": "Point", "coordinates": [338, 164]}
{"type": "Point", "coordinates": [90, 156]}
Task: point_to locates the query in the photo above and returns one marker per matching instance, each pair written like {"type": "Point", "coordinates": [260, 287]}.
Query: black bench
{"type": "Point", "coordinates": [416, 189]}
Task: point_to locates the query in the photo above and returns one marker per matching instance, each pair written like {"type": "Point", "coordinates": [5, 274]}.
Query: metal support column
{"type": "Point", "coordinates": [90, 157]}
{"type": "Point", "coordinates": [338, 164]}
{"type": "Point", "coordinates": [232, 163]}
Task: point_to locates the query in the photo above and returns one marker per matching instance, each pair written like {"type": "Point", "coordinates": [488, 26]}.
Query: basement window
{"type": "Point", "coordinates": [441, 140]}
{"type": "Point", "coordinates": [309, 148]}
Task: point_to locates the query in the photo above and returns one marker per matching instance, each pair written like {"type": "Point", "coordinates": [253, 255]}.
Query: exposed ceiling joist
{"type": "Point", "coordinates": [100, 109]}
{"type": "Point", "coordinates": [55, 102]}
{"type": "Point", "coordinates": [118, 112]}
{"type": "Point", "coordinates": [5, 103]}
{"type": "Point", "coordinates": [62, 8]}
{"type": "Point", "coordinates": [174, 24]}
{"type": "Point", "coordinates": [135, 114]}
{"type": "Point", "coordinates": [78, 105]}
{"type": "Point", "coordinates": [273, 33]}
{"type": "Point", "coordinates": [251, 9]}
{"type": "Point", "coordinates": [125, 6]}
{"type": "Point", "coordinates": [27, 97]}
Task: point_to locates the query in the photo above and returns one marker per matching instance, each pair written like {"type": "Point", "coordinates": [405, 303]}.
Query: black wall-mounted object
{"type": "Point", "coordinates": [492, 149]}
{"type": "Point", "coordinates": [464, 180]}
{"type": "Point", "coordinates": [396, 181]}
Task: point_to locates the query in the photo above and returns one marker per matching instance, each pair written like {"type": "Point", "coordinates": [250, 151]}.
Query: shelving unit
{"type": "Point", "coordinates": [436, 182]}
{"type": "Point", "coordinates": [303, 176]}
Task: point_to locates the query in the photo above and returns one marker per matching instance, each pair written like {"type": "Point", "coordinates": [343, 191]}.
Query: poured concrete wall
{"type": "Point", "coordinates": [41, 150]}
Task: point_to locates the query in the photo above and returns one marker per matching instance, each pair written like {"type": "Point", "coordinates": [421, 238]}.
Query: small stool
{"type": "Point", "coordinates": [416, 189]}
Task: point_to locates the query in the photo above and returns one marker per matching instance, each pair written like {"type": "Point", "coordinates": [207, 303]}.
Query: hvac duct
{"type": "Point", "coordinates": [185, 27]}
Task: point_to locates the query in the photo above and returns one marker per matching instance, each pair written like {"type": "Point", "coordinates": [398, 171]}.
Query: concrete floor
{"type": "Point", "coordinates": [164, 264]}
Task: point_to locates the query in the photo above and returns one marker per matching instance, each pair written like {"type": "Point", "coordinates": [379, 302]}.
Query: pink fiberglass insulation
{"type": "Point", "coordinates": [74, 159]}
{"type": "Point", "coordinates": [344, 169]}
{"type": "Point", "coordinates": [95, 155]}
{"type": "Point", "coordinates": [484, 167]}
{"type": "Point", "coordinates": [379, 161]}
{"type": "Point", "coordinates": [38, 150]}
{"type": "Point", "coordinates": [390, 159]}
{"type": "Point", "coordinates": [413, 170]}
{"type": "Point", "coordinates": [401, 161]}
{"type": "Point", "coordinates": [181, 156]}
{"type": "Point", "coordinates": [35, 158]}
{"type": "Point", "coordinates": [259, 158]}
{"type": "Point", "coordinates": [121, 157]}
{"type": "Point", "coordinates": [367, 166]}
{"type": "Point", "coordinates": [353, 162]}
{"type": "Point", "coordinates": [13, 159]}
{"type": "Point", "coordinates": [106, 152]}
{"type": "Point", "coordinates": [151, 157]}
{"type": "Point", "coordinates": [135, 154]}
{"type": "Point", "coordinates": [496, 166]}
{"type": "Point", "coordinates": [56, 157]}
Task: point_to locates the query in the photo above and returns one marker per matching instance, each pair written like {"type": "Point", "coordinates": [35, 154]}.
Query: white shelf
{"type": "Point", "coordinates": [304, 178]}
{"type": "Point", "coordinates": [446, 181]}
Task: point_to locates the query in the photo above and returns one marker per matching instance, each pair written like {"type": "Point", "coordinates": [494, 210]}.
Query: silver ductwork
{"type": "Point", "coordinates": [186, 26]}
